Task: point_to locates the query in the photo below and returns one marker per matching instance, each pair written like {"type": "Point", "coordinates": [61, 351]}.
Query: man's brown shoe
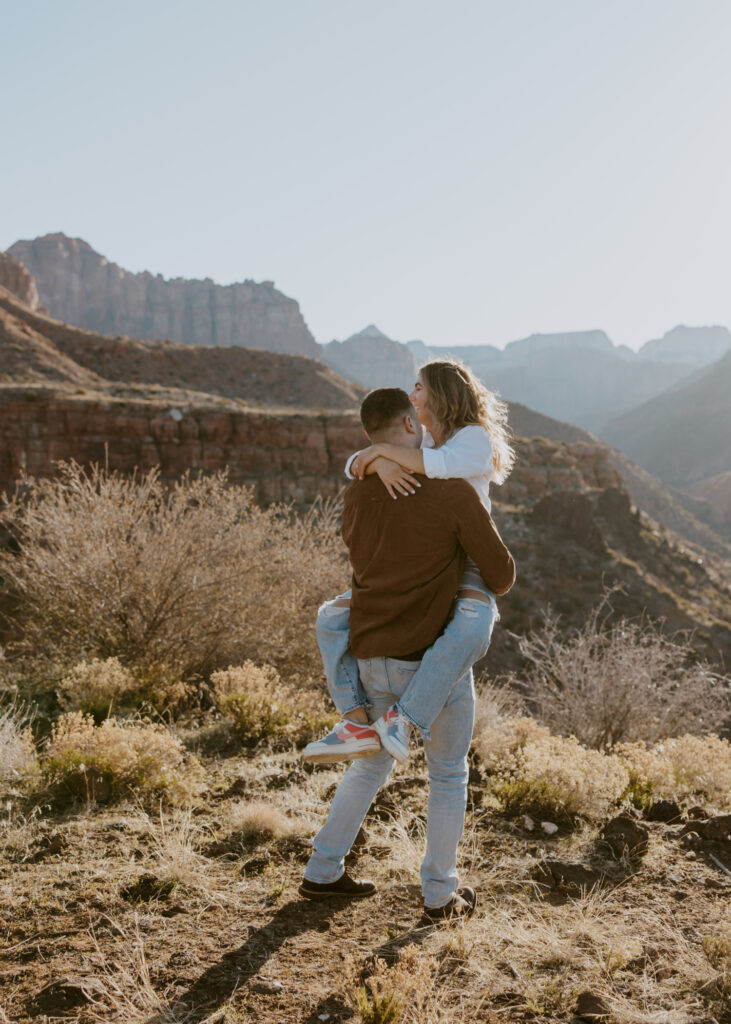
{"type": "Point", "coordinates": [344, 886]}
{"type": "Point", "coordinates": [459, 908]}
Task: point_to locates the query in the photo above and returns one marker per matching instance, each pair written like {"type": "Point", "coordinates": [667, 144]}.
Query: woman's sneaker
{"type": "Point", "coordinates": [345, 742]}
{"type": "Point", "coordinates": [394, 730]}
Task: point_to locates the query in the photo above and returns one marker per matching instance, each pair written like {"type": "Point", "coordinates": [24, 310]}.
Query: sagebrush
{"type": "Point", "coordinates": [170, 580]}
{"type": "Point", "coordinates": [116, 759]}
{"type": "Point", "coordinates": [17, 751]}
{"type": "Point", "coordinates": [534, 772]}
{"type": "Point", "coordinates": [620, 682]}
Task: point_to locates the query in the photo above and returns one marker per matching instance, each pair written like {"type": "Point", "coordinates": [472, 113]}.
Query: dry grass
{"type": "Point", "coordinates": [689, 768]}
{"type": "Point", "coordinates": [607, 684]}
{"type": "Point", "coordinates": [261, 819]}
{"type": "Point", "coordinates": [17, 752]}
{"type": "Point", "coordinates": [174, 582]}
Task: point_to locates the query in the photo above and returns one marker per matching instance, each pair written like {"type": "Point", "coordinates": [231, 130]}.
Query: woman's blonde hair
{"type": "Point", "coordinates": [456, 398]}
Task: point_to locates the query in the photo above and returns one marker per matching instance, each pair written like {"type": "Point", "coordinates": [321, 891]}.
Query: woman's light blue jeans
{"type": "Point", "coordinates": [464, 641]}
{"type": "Point", "coordinates": [385, 681]}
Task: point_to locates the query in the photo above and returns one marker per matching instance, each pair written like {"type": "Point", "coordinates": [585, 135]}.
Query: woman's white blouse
{"type": "Point", "coordinates": [467, 454]}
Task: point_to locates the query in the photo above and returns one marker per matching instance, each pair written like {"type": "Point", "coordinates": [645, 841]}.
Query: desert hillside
{"type": "Point", "coordinates": [157, 814]}
{"type": "Point", "coordinates": [681, 436]}
{"type": "Point", "coordinates": [36, 348]}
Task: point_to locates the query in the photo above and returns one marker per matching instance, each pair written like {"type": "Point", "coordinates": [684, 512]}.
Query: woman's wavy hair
{"type": "Point", "coordinates": [456, 398]}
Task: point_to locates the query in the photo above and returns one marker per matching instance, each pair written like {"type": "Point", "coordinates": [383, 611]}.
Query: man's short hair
{"type": "Point", "coordinates": [384, 408]}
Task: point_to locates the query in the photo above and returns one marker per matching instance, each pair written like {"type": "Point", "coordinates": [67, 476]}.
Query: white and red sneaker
{"type": "Point", "coordinates": [345, 742]}
{"type": "Point", "coordinates": [394, 730]}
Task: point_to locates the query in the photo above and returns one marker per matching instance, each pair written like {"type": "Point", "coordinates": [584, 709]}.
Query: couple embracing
{"type": "Point", "coordinates": [398, 649]}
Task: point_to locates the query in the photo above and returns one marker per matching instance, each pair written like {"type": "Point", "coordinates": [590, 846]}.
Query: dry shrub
{"type": "Point", "coordinates": [689, 768]}
{"type": "Point", "coordinates": [404, 992]}
{"type": "Point", "coordinates": [252, 698]}
{"type": "Point", "coordinates": [182, 579]}
{"type": "Point", "coordinates": [607, 684]}
{"type": "Point", "coordinates": [548, 777]}
{"type": "Point", "coordinates": [259, 819]}
{"type": "Point", "coordinates": [116, 759]}
{"type": "Point", "coordinates": [97, 687]}
{"type": "Point", "coordinates": [261, 707]}
{"type": "Point", "coordinates": [17, 752]}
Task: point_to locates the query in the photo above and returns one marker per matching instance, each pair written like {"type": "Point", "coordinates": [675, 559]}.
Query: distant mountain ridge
{"type": "Point", "coordinates": [80, 286]}
{"type": "Point", "coordinates": [580, 377]}
{"type": "Point", "coordinates": [682, 436]}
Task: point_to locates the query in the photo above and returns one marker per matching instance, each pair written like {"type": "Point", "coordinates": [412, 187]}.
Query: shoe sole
{"type": "Point", "coordinates": [396, 751]}
{"type": "Point", "coordinates": [332, 757]}
{"type": "Point", "coordinates": [309, 895]}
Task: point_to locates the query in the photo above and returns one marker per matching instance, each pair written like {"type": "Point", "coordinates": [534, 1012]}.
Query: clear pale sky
{"type": "Point", "coordinates": [461, 172]}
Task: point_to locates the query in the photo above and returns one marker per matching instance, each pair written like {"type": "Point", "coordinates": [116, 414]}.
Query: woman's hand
{"type": "Point", "coordinates": [395, 479]}
{"type": "Point", "coordinates": [363, 459]}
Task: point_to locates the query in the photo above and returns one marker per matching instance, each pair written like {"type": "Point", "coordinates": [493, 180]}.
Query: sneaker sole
{"type": "Point", "coordinates": [309, 895]}
{"type": "Point", "coordinates": [397, 752]}
{"type": "Point", "coordinates": [332, 757]}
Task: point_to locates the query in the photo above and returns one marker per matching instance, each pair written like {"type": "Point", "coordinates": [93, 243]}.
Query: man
{"type": "Point", "coordinates": [407, 559]}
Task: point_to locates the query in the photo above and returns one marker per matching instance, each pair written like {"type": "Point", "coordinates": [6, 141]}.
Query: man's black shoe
{"type": "Point", "coordinates": [345, 886]}
{"type": "Point", "coordinates": [460, 907]}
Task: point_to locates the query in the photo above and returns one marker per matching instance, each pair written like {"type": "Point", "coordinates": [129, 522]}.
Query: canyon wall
{"type": "Point", "coordinates": [81, 287]}
{"type": "Point", "coordinates": [284, 456]}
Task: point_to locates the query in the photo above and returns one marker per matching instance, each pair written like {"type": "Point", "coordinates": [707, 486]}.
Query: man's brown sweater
{"type": "Point", "coordinates": [408, 557]}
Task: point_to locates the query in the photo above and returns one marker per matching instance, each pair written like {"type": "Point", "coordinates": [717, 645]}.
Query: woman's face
{"type": "Point", "coordinates": [419, 397]}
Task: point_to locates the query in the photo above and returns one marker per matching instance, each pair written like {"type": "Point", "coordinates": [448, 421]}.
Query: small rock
{"type": "Point", "coordinates": [556, 874]}
{"type": "Point", "coordinates": [712, 830]}
{"type": "Point", "coordinates": [664, 810]}
{"type": "Point", "coordinates": [549, 828]}
{"type": "Point", "coordinates": [528, 823]}
{"type": "Point", "coordinates": [266, 986]}
{"type": "Point", "coordinates": [625, 836]}
{"type": "Point", "coordinates": [66, 994]}
{"type": "Point", "coordinates": [591, 1006]}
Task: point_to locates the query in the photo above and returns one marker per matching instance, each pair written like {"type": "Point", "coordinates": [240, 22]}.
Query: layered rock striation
{"type": "Point", "coordinates": [81, 287]}
{"type": "Point", "coordinates": [18, 280]}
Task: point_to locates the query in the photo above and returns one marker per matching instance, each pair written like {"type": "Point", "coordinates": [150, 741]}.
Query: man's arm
{"type": "Point", "coordinates": [478, 535]}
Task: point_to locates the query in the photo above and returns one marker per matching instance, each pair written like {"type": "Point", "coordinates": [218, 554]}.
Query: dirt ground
{"type": "Point", "coordinates": [137, 914]}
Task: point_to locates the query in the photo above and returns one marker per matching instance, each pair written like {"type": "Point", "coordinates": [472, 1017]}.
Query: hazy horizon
{"type": "Point", "coordinates": [464, 176]}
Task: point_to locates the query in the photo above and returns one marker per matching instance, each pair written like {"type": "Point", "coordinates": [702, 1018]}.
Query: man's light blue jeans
{"type": "Point", "coordinates": [384, 681]}
{"type": "Point", "coordinates": [464, 641]}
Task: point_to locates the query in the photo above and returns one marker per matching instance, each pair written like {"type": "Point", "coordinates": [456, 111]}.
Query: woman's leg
{"type": "Point", "coordinates": [341, 668]}
{"type": "Point", "coordinates": [464, 641]}
{"type": "Point", "coordinates": [352, 737]}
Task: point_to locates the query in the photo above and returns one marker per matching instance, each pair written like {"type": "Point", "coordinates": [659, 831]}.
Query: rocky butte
{"type": "Point", "coordinates": [81, 287]}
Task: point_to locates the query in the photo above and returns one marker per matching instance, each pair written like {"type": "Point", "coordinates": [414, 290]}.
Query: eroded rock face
{"type": "Point", "coordinates": [282, 455]}
{"type": "Point", "coordinates": [18, 280]}
{"type": "Point", "coordinates": [81, 287]}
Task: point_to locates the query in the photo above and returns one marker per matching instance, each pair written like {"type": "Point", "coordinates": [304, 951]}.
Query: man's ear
{"type": "Point", "coordinates": [409, 425]}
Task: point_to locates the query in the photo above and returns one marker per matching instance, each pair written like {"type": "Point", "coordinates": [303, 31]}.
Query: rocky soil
{"type": "Point", "coordinates": [130, 915]}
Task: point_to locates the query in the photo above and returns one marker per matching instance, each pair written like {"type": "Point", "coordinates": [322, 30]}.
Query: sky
{"type": "Point", "coordinates": [460, 171]}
